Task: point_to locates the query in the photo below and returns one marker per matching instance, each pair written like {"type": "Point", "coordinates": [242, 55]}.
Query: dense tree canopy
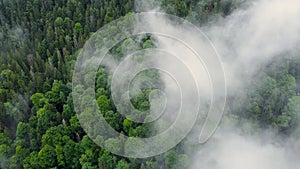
{"type": "Point", "coordinates": [39, 43]}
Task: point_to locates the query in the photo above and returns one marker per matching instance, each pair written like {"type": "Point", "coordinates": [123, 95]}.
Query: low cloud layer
{"type": "Point", "coordinates": [248, 39]}
{"type": "Point", "coordinates": [230, 150]}
{"type": "Point", "coordinates": [255, 34]}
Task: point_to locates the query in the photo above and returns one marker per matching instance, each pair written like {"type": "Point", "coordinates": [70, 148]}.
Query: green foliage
{"type": "Point", "coordinates": [173, 160]}
{"type": "Point", "coordinates": [107, 161]}
{"type": "Point", "coordinates": [46, 117]}
{"type": "Point", "coordinates": [47, 157]}
{"type": "Point", "coordinates": [272, 98]}
{"type": "Point", "coordinates": [289, 119]}
{"type": "Point", "coordinates": [122, 164]}
{"type": "Point", "coordinates": [113, 144]}
{"type": "Point", "coordinates": [32, 161]}
{"type": "Point", "coordinates": [39, 44]}
{"type": "Point", "coordinates": [38, 100]}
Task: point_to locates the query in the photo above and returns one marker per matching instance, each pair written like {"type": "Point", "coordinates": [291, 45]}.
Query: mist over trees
{"type": "Point", "coordinates": [39, 44]}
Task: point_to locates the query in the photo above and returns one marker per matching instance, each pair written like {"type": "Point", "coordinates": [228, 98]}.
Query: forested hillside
{"type": "Point", "coordinates": [39, 44]}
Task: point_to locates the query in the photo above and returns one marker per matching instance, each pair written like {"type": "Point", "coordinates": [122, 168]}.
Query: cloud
{"type": "Point", "coordinates": [235, 151]}
{"type": "Point", "coordinates": [247, 40]}
{"type": "Point", "coordinates": [252, 36]}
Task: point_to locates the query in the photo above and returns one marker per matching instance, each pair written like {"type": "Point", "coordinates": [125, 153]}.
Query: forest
{"type": "Point", "coordinates": [40, 41]}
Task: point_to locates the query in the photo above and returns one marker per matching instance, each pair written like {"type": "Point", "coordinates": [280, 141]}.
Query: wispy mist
{"type": "Point", "coordinates": [233, 150]}
{"type": "Point", "coordinates": [252, 36]}
{"type": "Point", "coordinates": [249, 38]}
